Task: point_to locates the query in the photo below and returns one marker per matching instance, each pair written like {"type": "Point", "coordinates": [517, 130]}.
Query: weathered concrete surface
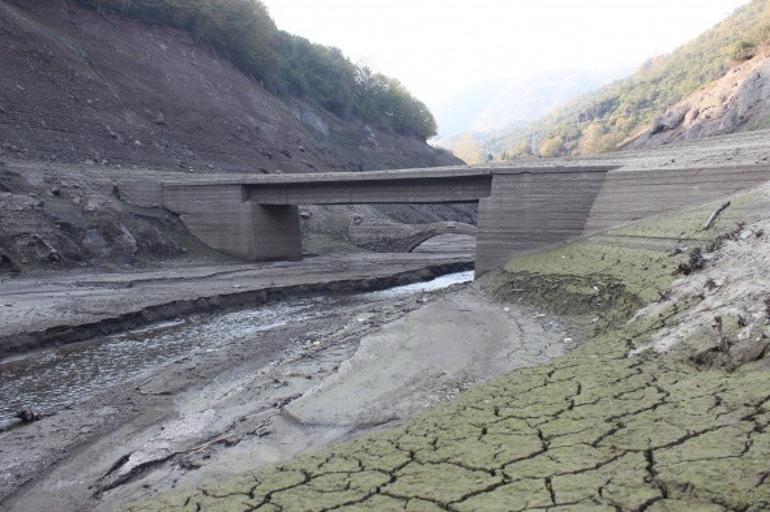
{"type": "Point", "coordinates": [599, 429]}
{"type": "Point", "coordinates": [545, 207]}
{"type": "Point", "coordinates": [521, 209]}
{"type": "Point", "coordinates": [256, 218]}
{"type": "Point", "coordinates": [534, 209]}
{"type": "Point", "coordinates": [627, 196]}
{"type": "Point", "coordinates": [220, 216]}
{"type": "Point", "coordinates": [41, 311]}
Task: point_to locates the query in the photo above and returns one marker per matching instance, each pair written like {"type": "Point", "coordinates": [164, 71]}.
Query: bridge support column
{"type": "Point", "coordinates": [533, 210]}
{"type": "Point", "coordinates": [222, 218]}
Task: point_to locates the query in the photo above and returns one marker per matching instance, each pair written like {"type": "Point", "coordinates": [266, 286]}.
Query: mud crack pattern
{"type": "Point", "coordinates": [598, 429]}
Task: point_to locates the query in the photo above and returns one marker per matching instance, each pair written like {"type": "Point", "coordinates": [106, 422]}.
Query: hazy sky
{"type": "Point", "coordinates": [437, 47]}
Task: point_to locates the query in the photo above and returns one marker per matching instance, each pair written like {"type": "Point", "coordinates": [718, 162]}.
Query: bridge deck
{"type": "Point", "coordinates": [457, 184]}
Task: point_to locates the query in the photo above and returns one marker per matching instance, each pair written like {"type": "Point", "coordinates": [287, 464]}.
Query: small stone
{"type": "Point", "coordinates": [28, 415]}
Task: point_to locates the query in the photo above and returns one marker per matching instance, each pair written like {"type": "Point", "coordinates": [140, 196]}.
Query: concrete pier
{"type": "Point", "coordinates": [255, 218]}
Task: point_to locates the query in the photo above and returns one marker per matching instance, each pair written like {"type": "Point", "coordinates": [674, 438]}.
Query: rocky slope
{"type": "Point", "coordinates": [82, 87]}
{"type": "Point", "coordinates": [658, 96]}
{"type": "Point", "coordinates": [87, 99]}
{"type": "Point", "coordinates": [739, 101]}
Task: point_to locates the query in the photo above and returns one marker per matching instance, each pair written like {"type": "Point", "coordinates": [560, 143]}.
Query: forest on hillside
{"type": "Point", "coordinates": [285, 64]}
{"type": "Point", "coordinates": [600, 121]}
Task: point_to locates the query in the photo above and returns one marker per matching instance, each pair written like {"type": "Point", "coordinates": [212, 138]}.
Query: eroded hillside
{"type": "Point", "coordinates": [79, 86]}
{"type": "Point", "coordinates": [88, 98]}
{"type": "Point", "coordinates": [739, 101]}
{"type": "Point", "coordinates": [709, 71]}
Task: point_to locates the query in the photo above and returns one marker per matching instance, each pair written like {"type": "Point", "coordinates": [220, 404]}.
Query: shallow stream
{"type": "Point", "coordinates": [49, 380]}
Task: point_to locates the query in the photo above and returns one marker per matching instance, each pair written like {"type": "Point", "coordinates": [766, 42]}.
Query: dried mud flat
{"type": "Point", "coordinates": [251, 398]}
{"type": "Point", "coordinates": [623, 423]}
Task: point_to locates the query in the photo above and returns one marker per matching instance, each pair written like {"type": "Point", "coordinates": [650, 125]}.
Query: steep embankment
{"type": "Point", "coordinates": [113, 98]}
{"type": "Point", "coordinates": [739, 101]}
{"type": "Point", "coordinates": [78, 86]}
{"type": "Point", "coordinates": [665, 410]}
{"type": "Point", "coordinates": [620, 112]}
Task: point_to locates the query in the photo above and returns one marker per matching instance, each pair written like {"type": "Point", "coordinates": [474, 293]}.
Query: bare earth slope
{"type": "Point", "coordinates": [79, 86]}
{"type": "Point", "coordinates": [87, 100]}
{"type": "Point", "coordinates": [739, 101]}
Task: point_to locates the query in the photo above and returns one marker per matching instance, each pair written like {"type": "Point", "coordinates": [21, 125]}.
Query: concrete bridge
{"type": "Point", "coordinates": [256, 218]}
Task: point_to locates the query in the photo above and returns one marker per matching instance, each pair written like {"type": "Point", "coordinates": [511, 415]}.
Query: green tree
{"type": "Point", "coordinates": [243, 32]}
{"type": "Point", "coordinates": [743, 50]}
{"type": "Point", "coordinates": [551, 147]}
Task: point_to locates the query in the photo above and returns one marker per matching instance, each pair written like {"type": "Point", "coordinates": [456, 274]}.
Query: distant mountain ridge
{"type": "Point", "coordinates": [495, 105]}
{"type": "Point", "coordinates": [490, 109]}
{"type": "Point", "coordinates": [653, 100]}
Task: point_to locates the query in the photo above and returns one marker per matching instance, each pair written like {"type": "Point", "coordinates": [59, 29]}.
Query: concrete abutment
{"type": "Point", "coordinates": [520, 210]}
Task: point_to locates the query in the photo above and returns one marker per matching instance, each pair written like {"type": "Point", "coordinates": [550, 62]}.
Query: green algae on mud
{"type": "Point", "coordinates": [593, 430]}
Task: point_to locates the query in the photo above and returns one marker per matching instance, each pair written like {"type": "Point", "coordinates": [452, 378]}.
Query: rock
{"type": "Point", "coordinates": [107, 238]}
{"type": "Point", "coordinates": [160, 120]}
{"type": "Point", "coordinates": [748, 351]}
{"type": "Point", "coordinates": [36, 246]}
{"type": "Point", "coordinates": [7, 266]}
{"type": "Point", "coordinates": [28, 415]}
{"type": "Point", "coordinates": [695, 262]}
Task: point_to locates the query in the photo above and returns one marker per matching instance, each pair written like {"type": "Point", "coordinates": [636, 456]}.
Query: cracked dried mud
{"type": "Point", "coordinates": [619, 424]}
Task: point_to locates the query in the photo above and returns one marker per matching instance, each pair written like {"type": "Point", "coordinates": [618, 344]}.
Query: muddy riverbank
{"type": "Point", "coordinates": [237, 390]}
{"type": "Point", "coordinates": [55, 309]}
{"type": "Point", "coordinates": [660, 409]}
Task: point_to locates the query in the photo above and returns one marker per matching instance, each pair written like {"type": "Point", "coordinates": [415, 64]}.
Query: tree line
{"type": "Point", "coordinates": [601, 121]}
{"type": "Point", "coordinates": [287, 65]}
